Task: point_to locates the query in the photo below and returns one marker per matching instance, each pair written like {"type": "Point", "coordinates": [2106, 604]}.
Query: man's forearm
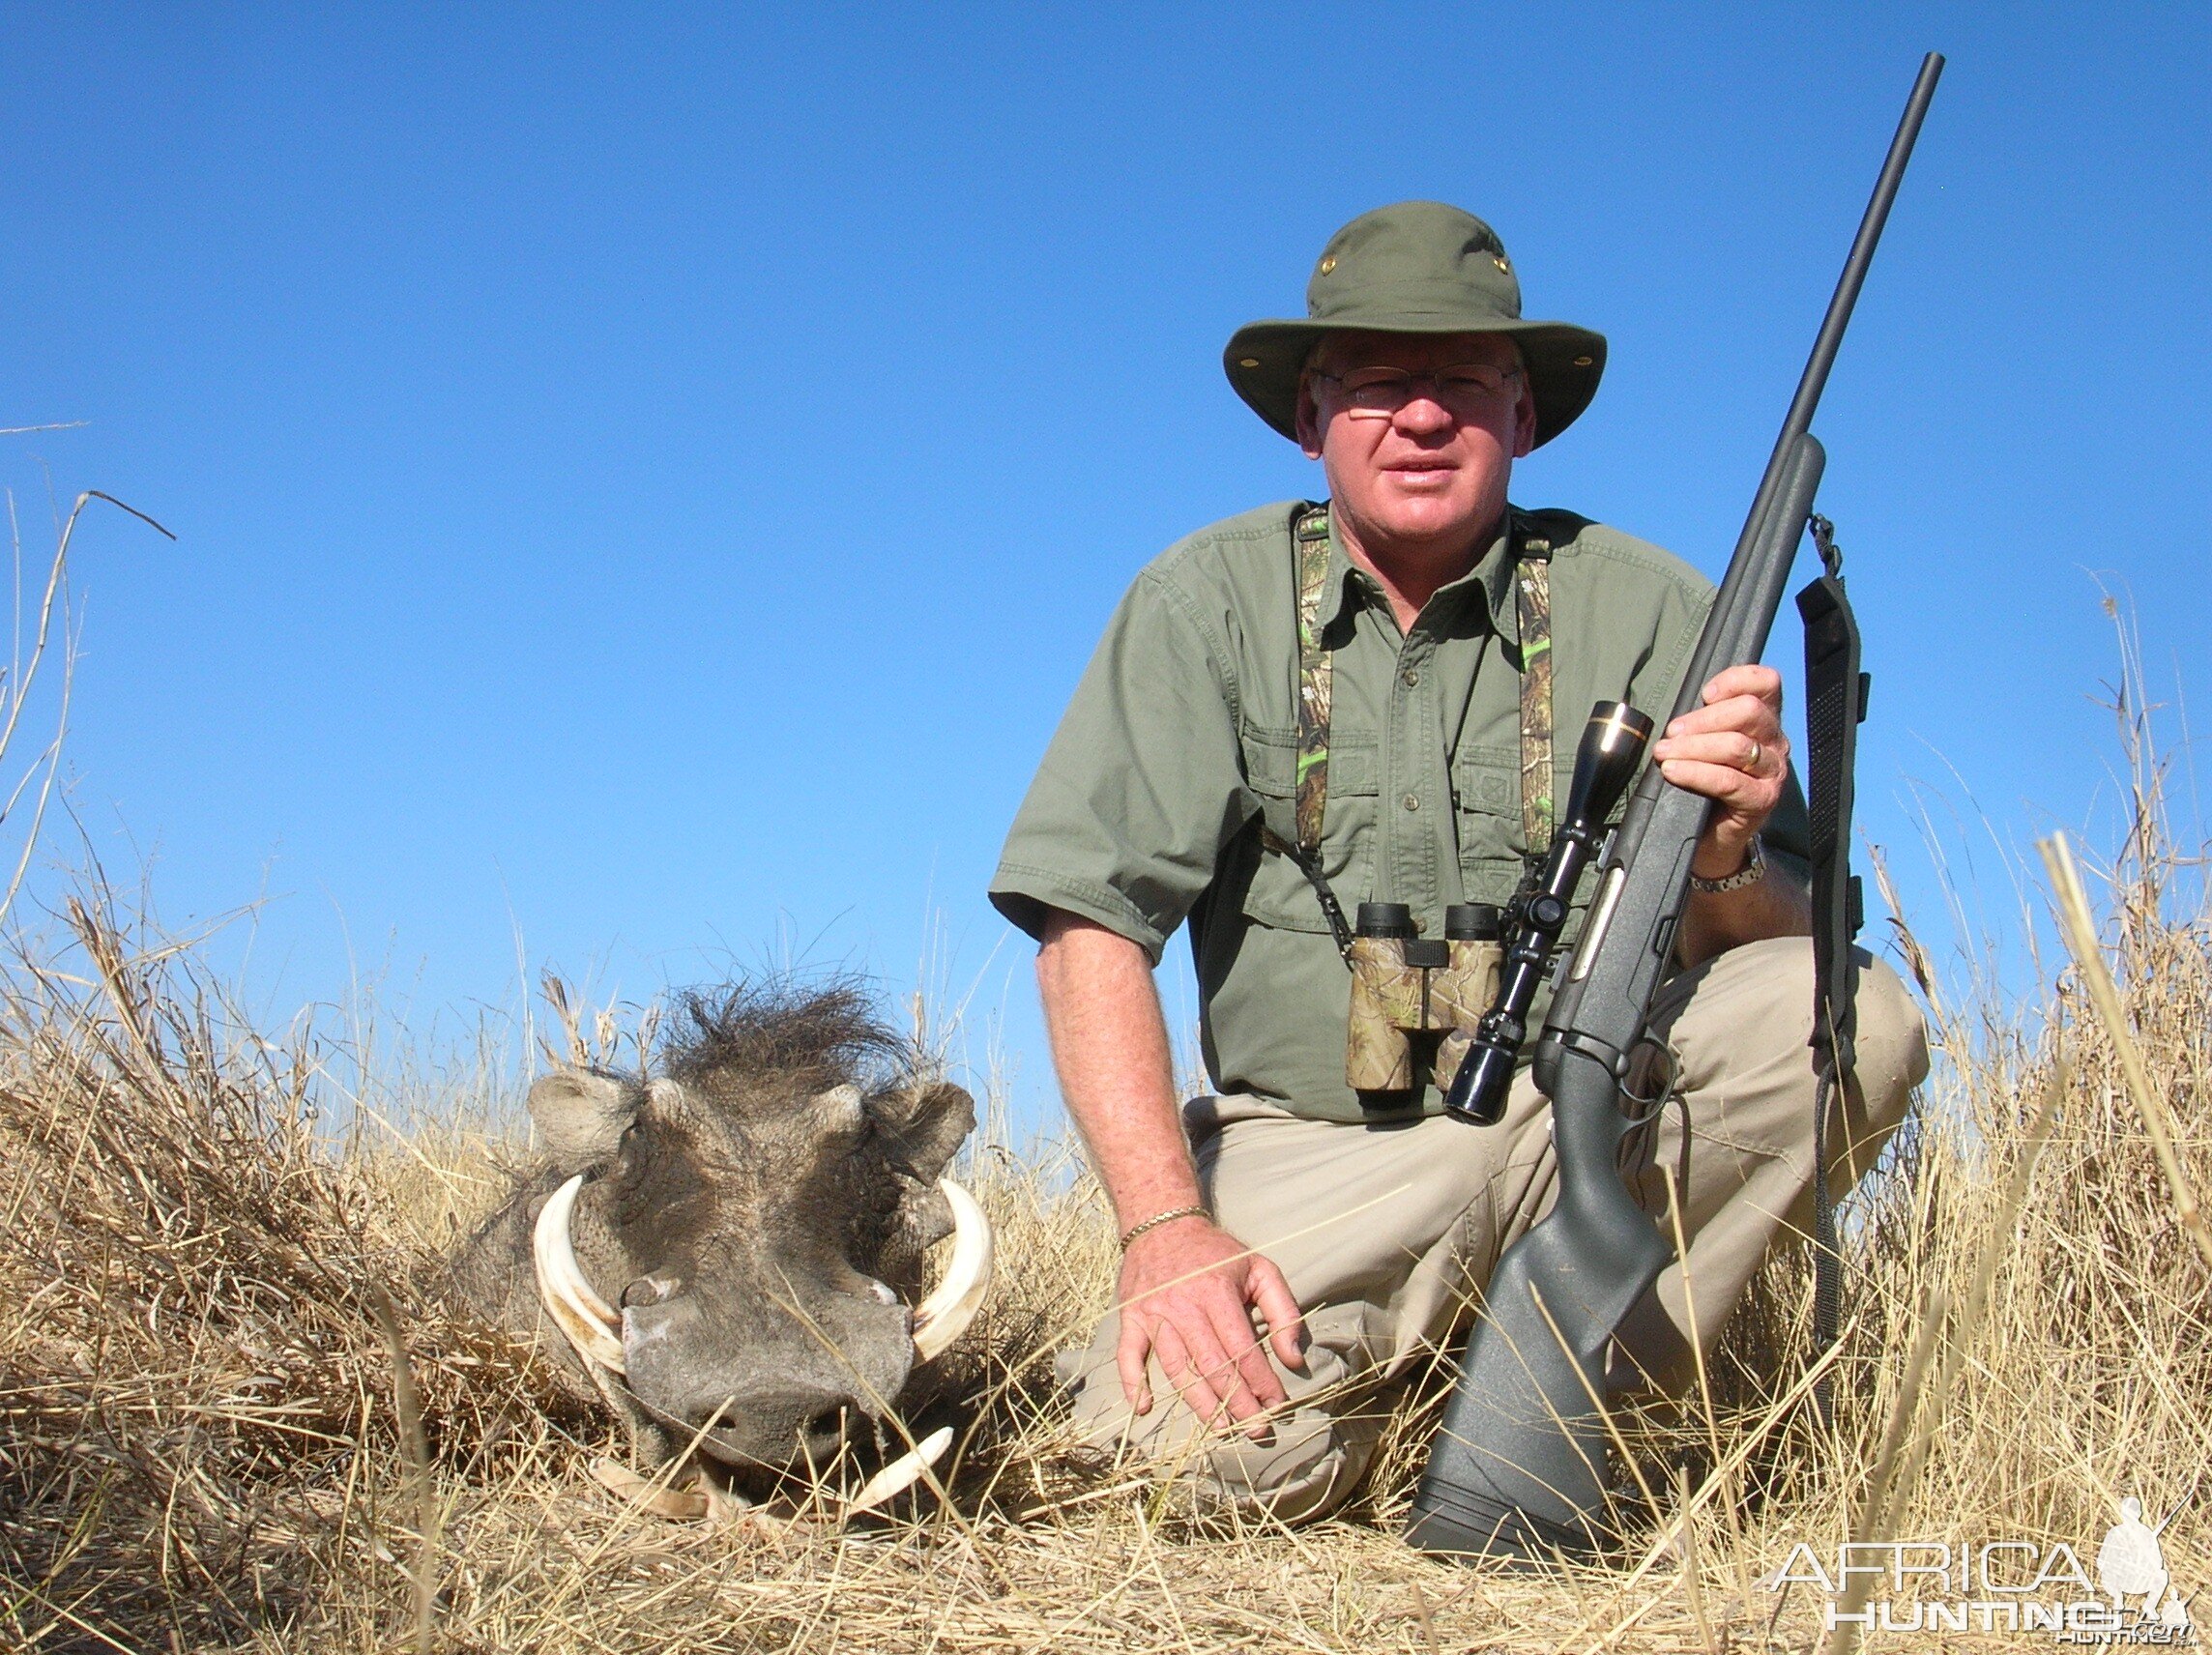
{"type": "Point", "coordinates": [1187, 1293]}
{"type": "Point", "coordinates": [1109, 1047]}
{"type": "Point", "coordinates": [1713, 922]}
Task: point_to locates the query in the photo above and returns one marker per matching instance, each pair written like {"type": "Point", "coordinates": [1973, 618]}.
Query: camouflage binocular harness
{"type": "Point", "coordinates": [1415, 1001]}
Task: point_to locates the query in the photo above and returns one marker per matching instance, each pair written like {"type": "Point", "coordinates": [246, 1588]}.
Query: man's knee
{"type": "Point", "coordinates": [1890, 1052]}
{"type": "Point", "coordinates": [1741, 1028]}
{"type": "Point", "coordinates": [1306, 1465]}
{"type": "Point", "coordinates": [1310, 1459]}
{"type": "Point", "coordinates": [1750, 1012]}
{"type": "Point", "coordinates": [1889, 1057]}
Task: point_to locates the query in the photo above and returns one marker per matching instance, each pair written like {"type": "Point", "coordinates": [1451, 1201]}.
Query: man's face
{"type": "Point", "coordinates": [1434, 469]}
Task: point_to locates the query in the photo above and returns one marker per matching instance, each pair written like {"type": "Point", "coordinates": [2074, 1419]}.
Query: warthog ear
{"type": "Point", "coordinates": [582, 1114]}
{"type": "Point", "coordinates": [926, 1125]}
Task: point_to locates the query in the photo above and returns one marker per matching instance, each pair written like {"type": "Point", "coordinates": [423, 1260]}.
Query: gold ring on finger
{"type": "Point", "coordinates": [1751, 765]}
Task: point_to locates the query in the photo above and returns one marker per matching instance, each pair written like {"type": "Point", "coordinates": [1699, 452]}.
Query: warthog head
{"type": "Point", "coordinates": [735, 1246]}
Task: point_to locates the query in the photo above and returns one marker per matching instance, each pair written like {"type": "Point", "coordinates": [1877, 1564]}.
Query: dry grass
{"type": "Point", "coordinates": [202, 1442]}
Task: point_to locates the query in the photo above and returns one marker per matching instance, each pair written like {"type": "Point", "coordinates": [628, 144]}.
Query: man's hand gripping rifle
{"type": "Point", "coordinates": [1517, 1467]}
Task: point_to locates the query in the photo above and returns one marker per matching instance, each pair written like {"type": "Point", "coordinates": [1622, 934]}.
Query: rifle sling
{"type": "Point", "coordinates": [1835, 704]}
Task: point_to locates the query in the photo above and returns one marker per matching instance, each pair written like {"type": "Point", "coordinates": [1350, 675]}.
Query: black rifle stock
{"type": "Point", "coordinates": [1518, 1465]}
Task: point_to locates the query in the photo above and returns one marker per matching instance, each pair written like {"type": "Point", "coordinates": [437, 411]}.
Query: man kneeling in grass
{"type": "Point", "coordinates": [1356, 695]}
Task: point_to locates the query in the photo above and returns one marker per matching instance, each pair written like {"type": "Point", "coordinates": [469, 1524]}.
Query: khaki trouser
{"type": "Point", "coordinates": [1385, 1231]}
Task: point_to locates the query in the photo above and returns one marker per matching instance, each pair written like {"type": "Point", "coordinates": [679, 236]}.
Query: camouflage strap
{"type": "Point", "coordinates": [1311, 537]}
{"type": "Point", "coordinates": [1533, 562]}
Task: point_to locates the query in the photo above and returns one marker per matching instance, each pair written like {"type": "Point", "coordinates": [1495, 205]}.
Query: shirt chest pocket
{"type": "Point", "coordinates": [1279, 895]}
{"type": "Point", "coordinates": [1492, 832]}
{"type": "Point", "coordinates": [1486, 795]}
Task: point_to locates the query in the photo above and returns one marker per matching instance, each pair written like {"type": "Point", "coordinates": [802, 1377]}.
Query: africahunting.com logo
{"type": "Point", "coordinates": [2003, 1585]}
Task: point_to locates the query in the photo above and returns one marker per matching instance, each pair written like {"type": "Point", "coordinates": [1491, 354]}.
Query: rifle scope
{"type": "Point", "coordinates": [1605, 762]}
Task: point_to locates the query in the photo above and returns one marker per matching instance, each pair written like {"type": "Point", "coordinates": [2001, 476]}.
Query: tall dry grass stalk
{"type": "Point", "coordinates": [39, 629]}
{"type": "Point", "coordinates": [214, 1304]}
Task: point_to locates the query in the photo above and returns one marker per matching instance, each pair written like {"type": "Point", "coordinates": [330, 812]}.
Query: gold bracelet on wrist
{"type": "Point", "coordinates": [1157, 1220]}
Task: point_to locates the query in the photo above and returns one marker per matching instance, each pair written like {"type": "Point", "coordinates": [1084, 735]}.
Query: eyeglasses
{"type": "Point", "coordinates": [1378, 393]}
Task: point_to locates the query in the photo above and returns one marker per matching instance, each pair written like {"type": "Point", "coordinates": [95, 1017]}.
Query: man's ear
{"type": "Point", "coordinates": [1308, 418]}
{"type": "Point", "coordinates": [1524, 419]}
{"type": "Point", "coordinates": [582, 1115]}
{"type": "Point", "coordinates": [926, 1125]}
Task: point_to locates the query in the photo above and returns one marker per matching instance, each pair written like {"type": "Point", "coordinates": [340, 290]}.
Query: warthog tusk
{"type": "Point", "coordinates": [903, 1472]}
{"type": "Point", "coordinates": [589, 1321]}
{"type": "Point", "coordinates": [944, 1315]}
{"type": "Point", "coordinates": [679, 1505]}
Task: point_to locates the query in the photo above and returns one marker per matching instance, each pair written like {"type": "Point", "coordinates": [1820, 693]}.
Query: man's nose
{"type": "Point", "coordinates": [1423, 413]}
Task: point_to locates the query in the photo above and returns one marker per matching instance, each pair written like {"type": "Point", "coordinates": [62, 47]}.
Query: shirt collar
{"type": "Point", "coordinates": [1493, 573]}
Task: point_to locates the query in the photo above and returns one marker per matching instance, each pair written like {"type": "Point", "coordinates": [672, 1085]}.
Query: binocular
{"type": "Point", "coordinates": [1416, 1000]}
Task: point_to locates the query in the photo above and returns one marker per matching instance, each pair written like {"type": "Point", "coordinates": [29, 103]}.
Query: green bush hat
{"type": "Point", "coordinates": [1419, 267]}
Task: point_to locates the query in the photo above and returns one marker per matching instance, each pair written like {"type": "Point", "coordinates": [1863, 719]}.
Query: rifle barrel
{"type": "Point", "coordinates": [1799, 420]}
{"type": "Point", "coordinates": [1515, 1467]}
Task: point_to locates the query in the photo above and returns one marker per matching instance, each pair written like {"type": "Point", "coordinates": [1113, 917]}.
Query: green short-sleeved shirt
{"type": "Point", "coordinates": [1181, 741]}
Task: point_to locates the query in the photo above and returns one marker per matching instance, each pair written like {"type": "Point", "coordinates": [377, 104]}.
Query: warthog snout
{"type": "Point", "coordinates": [769, 1388]}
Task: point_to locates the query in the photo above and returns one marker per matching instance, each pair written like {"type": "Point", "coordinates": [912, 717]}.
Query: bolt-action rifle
{"type": "Point", "coordinates": [1516, 1468]}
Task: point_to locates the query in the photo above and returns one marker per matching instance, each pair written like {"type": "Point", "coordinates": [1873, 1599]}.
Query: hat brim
{"type": "Point", "coordinates": [1563, 362]}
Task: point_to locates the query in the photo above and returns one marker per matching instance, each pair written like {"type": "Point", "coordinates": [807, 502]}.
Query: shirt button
{"type": "Point", "coordinates": [1410, 677]}
{"type": "Point", "coordinates": [1413, 802]}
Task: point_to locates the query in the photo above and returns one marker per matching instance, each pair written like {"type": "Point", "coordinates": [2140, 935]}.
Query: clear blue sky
{"type": "Point", "coordinates": [647, 478]}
